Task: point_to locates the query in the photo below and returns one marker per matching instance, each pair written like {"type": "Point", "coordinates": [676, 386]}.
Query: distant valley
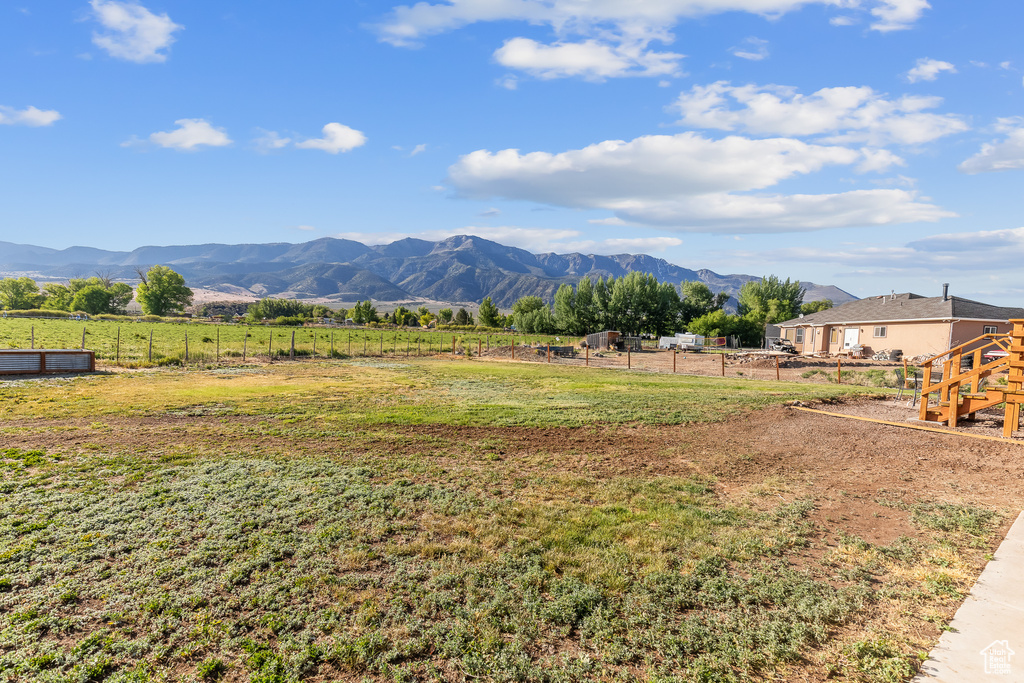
{"type": "Point", "coordinates": [461, 269]}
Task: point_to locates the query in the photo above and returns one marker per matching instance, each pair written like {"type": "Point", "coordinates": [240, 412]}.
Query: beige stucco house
{"type": "Point", "coordinates": [917, 325]}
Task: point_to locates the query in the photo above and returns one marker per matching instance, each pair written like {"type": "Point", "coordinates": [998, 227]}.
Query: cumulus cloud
{"type": "Point", "coordinates": [132, 31]}
{"type": "Point", "coordinates": [29, 116]}
{"type": "Point", "coordinates": [754, 49]}
{"type": "Point", "coordinates": [190, 135]}
{"type": "Point", "coordinates": [608, 38]}
{"type": "Point", "coordinates": [897, 15]}
{"type": "Point", "coordinates": [590, 59]}
{"type": "Point", "coordinates": [928, 70]}
{"type": "Point", "coordinates": [690, 183]}
{"type": "Point", "coordinates": [999, 155]}
{"type": "Point", "coordinates": [337, 138]}
{"type": "Point", "coordinates": [844, 114]}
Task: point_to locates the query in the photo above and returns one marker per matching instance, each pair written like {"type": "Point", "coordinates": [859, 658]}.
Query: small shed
{"type": "Point", "coordinates": [607, 340]}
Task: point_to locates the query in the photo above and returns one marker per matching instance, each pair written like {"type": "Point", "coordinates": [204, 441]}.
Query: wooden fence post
{"type": "Point", "coordinates": [674, 355]}
{"type": "Point", "coordinates": [291, 352]}
{"type": "Point", "coordinates": [83, 337]}
{"type": "Point", "coordinates": [629, 356]}
{"type": "Point", "coordinates": [34, 335]}
{"type": "Point", "coordinates": [839, 370]}
{"type": "Point", "coordinates": [479, 346]}
{"type": "Point", "coordinates": [588, 356]}
{"type": "Point", "coordinates": [186, 347]}
{"type": "Point", "coordinates": [453, 344]}
{"type": "Point", "coordinates": [549, 353]}
{"type": "Point", "coordinates": [245, 343]}
{"type": "Point", "coordinates": [723, 364]}
{"type": "Point", "coordinates": [270, 346]}
{"type": "Point", "coordinates": [218, 343]}
{"type": "Point", "coordinates": [776, 368]}
{"type": "Point", "coordinates": [382, 343]}
{"type": "Point", "coordinates": [150, 345]}
{"type": "Point", "coordinates": [117, 354]}
{"type": "Point", "coordinates": [314, 343]}
{"type": "Point", "coordinates": [332, 343]}
{"type": "Point", "coordinates": [513, 347]}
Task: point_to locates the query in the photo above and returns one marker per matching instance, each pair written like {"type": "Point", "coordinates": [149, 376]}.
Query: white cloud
{"type": "Point", "coordinates": [613, 220]}
{"type": "Point", "coordinates": [590, 59]}
{"type": "Point", "coordinates": [754, 49]}
{"type": "Point", "coordinates": [190, 134]}
{"type": "Point", "coordinates": [842, 21]}
{"type": "Point", "coordinates": [844, 114]}
{"type": "Point", "coordinates": [878, 160]}
{"type": "Point", "coordinates": [337, 138]}
{"type": "Point", "coordinates": [928, 70]}
{"type": "Point", "coordinates": [133, 32]}
{"type": "Point", "coordinates": [897, 15]}
{"type": "Point", "coordinates": [407, 25]}
{"type": "Point", "coordinates": [29, 116]}
{"type": "Point", "coordinates": [418, 149]}
{"type": "Point", "coordinates": [489, 212]}
{"type": "Point", "coordinates": [304, 228]}
{"type": "Point", "coordinates": [985, 250]}
{"type": "Point", "coordinates": [601, 39]}
{"type": "Point", "coordinates": [1002, 155]}
{"type": "Point", "coordinates": [634, 244]}
{"type": "Point", "coordinates": [691, 183]}
{"type": "Point", "coordinates": [270, 141]}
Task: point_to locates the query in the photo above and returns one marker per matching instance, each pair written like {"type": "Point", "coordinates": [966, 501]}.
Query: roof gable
{"type": "Point", "coordinates": [906, 306]}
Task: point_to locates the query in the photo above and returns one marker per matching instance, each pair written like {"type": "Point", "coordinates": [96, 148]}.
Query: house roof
{"type": "Point", "coordinates": [906, 306]}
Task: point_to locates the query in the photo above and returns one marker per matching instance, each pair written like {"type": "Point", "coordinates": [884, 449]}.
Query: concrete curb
{"type": "Point", "coordinates": [987, 637]}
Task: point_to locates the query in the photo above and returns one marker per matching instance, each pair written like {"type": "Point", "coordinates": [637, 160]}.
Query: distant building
{"type": "Point", "coordinates": [915, 324]}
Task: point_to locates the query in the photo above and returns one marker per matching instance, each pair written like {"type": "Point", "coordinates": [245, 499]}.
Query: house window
{"type": "Point", "coordinates": [880, 331]}
{"type": "Point", "coordinates": [989, 329]}
{"type": "Point", "coordinates": [834, 337]}
{"type": "Point", "coordinates": [799, 335]}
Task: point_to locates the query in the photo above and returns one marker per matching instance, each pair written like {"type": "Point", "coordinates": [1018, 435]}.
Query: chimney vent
{"type": "Point", "coordinates": [945, 291]}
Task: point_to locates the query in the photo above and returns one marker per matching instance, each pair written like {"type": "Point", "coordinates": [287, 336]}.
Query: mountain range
{"type": "Point", "coordinates": [459, 269]}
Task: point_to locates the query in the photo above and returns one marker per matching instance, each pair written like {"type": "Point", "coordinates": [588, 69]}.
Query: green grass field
{"type": "Point", "coordinates": [384, 521]}
{"type": "Point", "coordinates": [129, 342]}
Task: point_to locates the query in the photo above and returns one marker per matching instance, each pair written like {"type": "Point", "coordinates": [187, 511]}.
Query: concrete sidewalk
{"type": "Point", "coordinates": [987, 637]}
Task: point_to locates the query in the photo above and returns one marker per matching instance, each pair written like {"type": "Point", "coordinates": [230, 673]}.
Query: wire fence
{"type": "Point", "coordinates": [141, 344]}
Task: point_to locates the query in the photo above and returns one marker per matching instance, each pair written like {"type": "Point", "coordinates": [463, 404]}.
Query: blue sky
{"type": "Point", "coordinates": [871, 144]}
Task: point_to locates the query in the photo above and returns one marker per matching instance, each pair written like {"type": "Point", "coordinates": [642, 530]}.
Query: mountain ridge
{"type": "Point", "coordinates": [461, 268]}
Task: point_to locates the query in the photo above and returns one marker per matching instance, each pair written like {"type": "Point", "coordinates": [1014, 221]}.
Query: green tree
{"type": "Point", "coordinates": [403, 316]}
{"type": "Point", "coordinates": [587, 315]}
{"type": "Point", "coordinates": [770, 300]}
{"type": "Point", "coordinates": [444, 316]}
{"type": "Point", "coordinates": [565, 317]}
{"type": "Point", "coordinates": [120, 296]}
{"type": "Point", "coordinates": [532, 316]}
{"type": "Point", "coordinates": [272, 309]}
{"type": "Point", "coordinates": [426, 319]}
{"type": "Point", "coordinates": [162, 290]}
{"type": "Point", "coordinates": [58, 297]}
{"type": "Point", "coordinates": [489, 314]}
{"type": "Point", "coordinates": [364, 312]}
{"type": "Point", "coordinates": [94, 299]}
{"type": "Point", "coordinates": [639, 303]}
{"type": "Point", "coordinates": [464, 317]}
{"type": "Point", "coordinates": [698, 300]}
{"type": "Point", "coordinates": [816, 306]}
{"type": "Point", "coordinates": [19, 293]}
